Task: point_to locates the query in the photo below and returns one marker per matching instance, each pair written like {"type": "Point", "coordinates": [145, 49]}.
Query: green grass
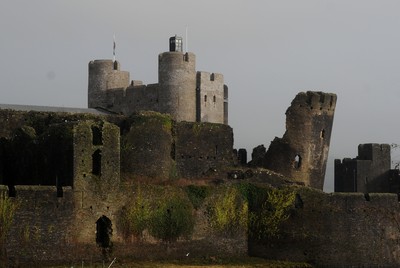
{"type": "Point", "coordinates": [191, 263]}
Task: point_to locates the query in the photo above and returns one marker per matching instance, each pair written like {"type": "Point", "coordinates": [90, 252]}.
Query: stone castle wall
{"type": "Point", "coordinates": [43, 224]}
{"type": "Point", "coordinates": [369, 172]}
{"type": "Point", "coordinates": [202, 149]}
{"type": "Point", "coordinates": [59, 223]}
{"type": "Point", "coordinates": [338, 230]}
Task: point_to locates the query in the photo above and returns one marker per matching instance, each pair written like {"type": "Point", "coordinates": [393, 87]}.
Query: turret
{"type": "Point", "coordinates": [177, 82]}
{"type": "Point", "coordinates": [104, 75]}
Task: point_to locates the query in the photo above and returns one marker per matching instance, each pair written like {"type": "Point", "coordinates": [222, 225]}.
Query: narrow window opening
{"type": "Point", "coordinates": [322, 134]}
{"type": "Point", "coordinates": [103, 234]}
{"type": "Point", "coordinates": [97, 135]}
{"type": "Point", "coordinates": [322, 98]}
{"type": "Point", "coordinates": [297, 161]}
{"type": "Point", "coordinates": [214, 99]}
{"type": "Point", "coordinates": [60, 191]}
{"type": "Point", "coordinates": [205, 98]}
{"type": "Point", "coordinates": [96, 163]}
{"type": "Point", "coordinates": [11, 191]}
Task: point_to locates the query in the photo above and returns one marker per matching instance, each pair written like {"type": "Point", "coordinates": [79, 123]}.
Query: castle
{"type": "Point", "coordinates": [74, 174]}
{"type": "Point", "coordinates": [182, 92]}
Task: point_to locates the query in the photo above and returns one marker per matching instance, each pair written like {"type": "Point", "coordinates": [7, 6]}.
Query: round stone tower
{"type": "Point", "coordinates": [104, 75]}
{"type": "Point", "coordinates": [177, 82]}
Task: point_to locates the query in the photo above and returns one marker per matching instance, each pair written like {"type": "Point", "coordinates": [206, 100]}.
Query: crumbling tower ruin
{"type": "Point", "coordinates": [302, 152]}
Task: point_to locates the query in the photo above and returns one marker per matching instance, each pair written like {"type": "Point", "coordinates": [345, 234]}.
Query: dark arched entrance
{"type": "Point", "coordinates": [103, 234]}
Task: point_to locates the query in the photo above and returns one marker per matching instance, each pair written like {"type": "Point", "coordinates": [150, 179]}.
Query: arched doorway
{"type": "Point", "coordinates": [103, 234]}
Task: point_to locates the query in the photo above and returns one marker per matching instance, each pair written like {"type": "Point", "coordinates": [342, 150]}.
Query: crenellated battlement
{"type": "Point", "coordinates": [316, 101]}
{"type": "Point", "coordinates": [177, 57]}
{"type": "Point", "coordinates": [210, 77]}
{"type": "Point", "coordinates": [370, 171]}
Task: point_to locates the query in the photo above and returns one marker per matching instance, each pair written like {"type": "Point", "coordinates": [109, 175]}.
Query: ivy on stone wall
{"type": "Point", "coordinates": [267, 220]}
{"type": "Point", "coordinates": [197, 194]}
{"type": "Point", "coordinates": [165, 212]}
{"type": "Point", "coordinates": [135, 217]}
{"type": "Point", "coordinates": [228, 211]}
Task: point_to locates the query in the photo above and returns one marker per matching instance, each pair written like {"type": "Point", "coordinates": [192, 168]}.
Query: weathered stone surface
{"type": "Point", "coordinates": [202, 147]}
{"type": "Point", "coordinates": [369, 172]}
{"type": "Point", "coordinates": [147, 147]}
{"type": "Point", "coordinates": [338, 230]}
{"type": "Point", "coordinates": [302, 152]}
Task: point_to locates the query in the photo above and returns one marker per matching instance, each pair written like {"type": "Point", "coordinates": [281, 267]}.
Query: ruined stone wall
{"type": "Point", "coordinates": [202, 148]}
{"type": "Point", "coordinates": [96, 156]}
{"type": "Point", "coordinates": [154, 146]}
{"type": "Point", "coordinates": [302, 152]}
{"type": "Point", "coordinates": [43, 224]}
{"type": "Point", "coordinates": [147, 147]}
{"type": "Point", "coordinates": [338, 230]}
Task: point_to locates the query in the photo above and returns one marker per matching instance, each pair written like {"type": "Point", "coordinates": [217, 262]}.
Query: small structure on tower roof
{"type": "Point", "coordinates": [176, 44]}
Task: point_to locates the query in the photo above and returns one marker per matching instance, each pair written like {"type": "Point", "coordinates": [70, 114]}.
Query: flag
{"type": "Point", "coordinates": [114, 45]}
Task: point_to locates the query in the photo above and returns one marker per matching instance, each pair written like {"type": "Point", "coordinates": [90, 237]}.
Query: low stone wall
{"type": "Point", "coordinates": [337, 230]}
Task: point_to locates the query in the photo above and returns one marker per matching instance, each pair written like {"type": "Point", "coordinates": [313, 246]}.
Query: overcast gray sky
{"type": "Point", "coordinates": [268, 51]}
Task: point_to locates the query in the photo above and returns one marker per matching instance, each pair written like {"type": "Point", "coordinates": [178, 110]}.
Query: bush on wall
{"type": "Point", "coordinates": [228, 211]}
{"type": "Point", "coordinates": [172, 218]}
{"type": "Point", "coordinates": [166, 213]}
{"type": "Point", "coordinates": [267, 220]}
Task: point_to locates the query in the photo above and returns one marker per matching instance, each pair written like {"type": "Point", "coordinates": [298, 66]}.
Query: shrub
{"type": "Point", "coordinates": [165, 212]}
{"type": "Point", "coordinates": [172, 218]}
{"type": "Point", "coordinates": [197, 194]}
{"type": "Point", "coordinates": [228, 212]}
{"type": "Point", "coordinates": [135, 217]}
{"type": "Point", "coordinates": [272, 213]}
